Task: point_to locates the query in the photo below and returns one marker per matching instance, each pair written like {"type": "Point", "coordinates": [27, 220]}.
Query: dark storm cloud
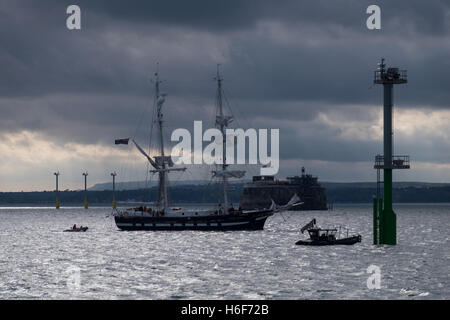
{"type": "Point", "coordinates": [282, 61]}
{"type": "Point", "coordinates": [423, 17]}
{"type": "Point", "coordinates": [40, 56]}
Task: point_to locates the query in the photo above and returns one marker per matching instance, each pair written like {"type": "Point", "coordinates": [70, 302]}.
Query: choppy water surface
{"type": "Point", "coordinates": [39, 261]}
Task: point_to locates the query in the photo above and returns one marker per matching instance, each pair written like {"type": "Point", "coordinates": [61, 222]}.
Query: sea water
{"type": "Point", "coordinates": [40, 261]}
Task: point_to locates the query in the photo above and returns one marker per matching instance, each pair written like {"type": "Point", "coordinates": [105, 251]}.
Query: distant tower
{"type": "Point", "coordinates": [57, 195]}
{"type": "Point", "coordinates": [114, 174]}
{"type": "Point", "coordinates": [384, 218]}
{"type": "Point", "coordinates": [85, 174]}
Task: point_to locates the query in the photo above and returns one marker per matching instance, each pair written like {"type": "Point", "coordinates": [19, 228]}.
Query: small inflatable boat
{"type": "Point", "coordinates": [81, 229]}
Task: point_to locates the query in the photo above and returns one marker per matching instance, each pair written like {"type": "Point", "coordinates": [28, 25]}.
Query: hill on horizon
{"type": "Point", "coordinates": [136, 185]}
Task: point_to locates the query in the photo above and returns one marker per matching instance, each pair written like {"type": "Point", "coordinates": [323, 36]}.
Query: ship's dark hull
{"type": "Point", "coordinates": [231, 222]}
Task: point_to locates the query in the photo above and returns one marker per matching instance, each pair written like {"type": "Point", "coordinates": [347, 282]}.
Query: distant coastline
{"type": "Point", "coordinates": [404, 192]}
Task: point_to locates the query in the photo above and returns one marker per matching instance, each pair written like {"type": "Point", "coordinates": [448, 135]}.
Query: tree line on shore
{"type": "Point", "coordinates": [210, 193]}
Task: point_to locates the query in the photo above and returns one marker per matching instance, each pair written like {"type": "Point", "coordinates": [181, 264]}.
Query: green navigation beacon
{"type": "Point", "coordinates": [384, 218]}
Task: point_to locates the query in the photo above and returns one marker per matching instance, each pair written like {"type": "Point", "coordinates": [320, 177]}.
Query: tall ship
{"type": "Point", "coordinates": [262, 189]}
{"type": "Point", "coordinates": [162, 216]}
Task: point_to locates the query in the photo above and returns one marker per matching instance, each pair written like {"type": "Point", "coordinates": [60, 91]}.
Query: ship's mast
{"type": "Point", "coordinates": [221, 123]}
{"type": "Point", "coordinates": [162, 190]}
{"type": "Point", "coordinates": [162, 164]}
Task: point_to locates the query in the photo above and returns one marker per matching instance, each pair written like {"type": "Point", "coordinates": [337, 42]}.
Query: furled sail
{"type": "Point", "coordinates": [153, 163]}
{"type": "Point", "coordinates": [167, 160]}
{"type": "Point", "coordinates": [228, 174]}
{"type": "Point", "coordinates": [294, 201]}
{"type": "Point", "coordinates": [223, 120]}
{"type": "Point", "coordinates": [310, 225]}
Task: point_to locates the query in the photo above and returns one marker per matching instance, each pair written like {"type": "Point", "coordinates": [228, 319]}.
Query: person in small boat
{"type": "Point", "coordinates": [74, 227]}
{"type": "Point", "coordinates": [323, 236]}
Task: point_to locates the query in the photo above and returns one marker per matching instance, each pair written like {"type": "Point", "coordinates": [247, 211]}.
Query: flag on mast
{"type": "Point", "coordinates": [122, 141]}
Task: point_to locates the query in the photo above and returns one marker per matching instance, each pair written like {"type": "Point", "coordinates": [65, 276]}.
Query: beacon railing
{"type": "Point", "coordinates": [398, 162]}
{"type": "Point", "coordinates": [392, 75]}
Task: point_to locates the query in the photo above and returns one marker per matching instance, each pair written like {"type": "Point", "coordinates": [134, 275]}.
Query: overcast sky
{"type": "Point", "coordinates": [305, 67]}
